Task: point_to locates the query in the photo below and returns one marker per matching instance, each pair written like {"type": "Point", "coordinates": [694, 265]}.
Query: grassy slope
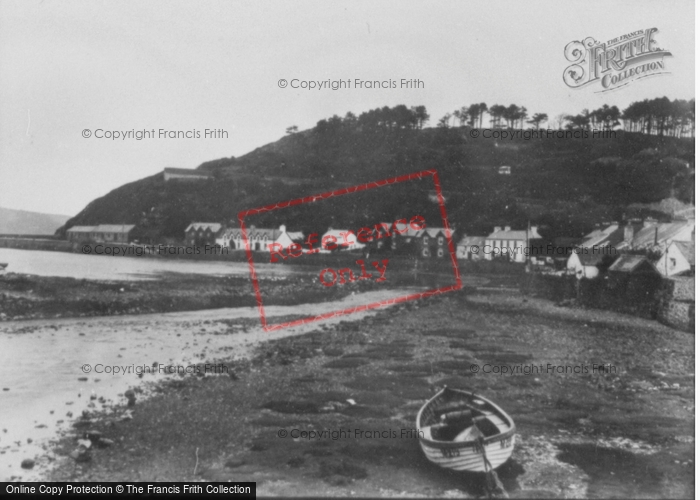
{"type": "Point", "coordinates": [566, 184]}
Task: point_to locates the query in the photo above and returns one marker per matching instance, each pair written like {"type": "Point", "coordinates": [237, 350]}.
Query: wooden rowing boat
{"type": "Point", "coordinates": [463, 431]}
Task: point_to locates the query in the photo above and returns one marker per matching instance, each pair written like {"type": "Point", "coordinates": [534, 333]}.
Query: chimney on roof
{"type": "Point", "coordinates": [649, 221]}
{"type": "Point", "coordinates": [507, 228]}
{"type": "Point", "coordinates": [283, 228]}
{"type": "Point", "coordinates": [656, 235]}
{"type": "Point", "coordinates": [629, 233]}
{"type": "Point", "coordinates": [496, 229]}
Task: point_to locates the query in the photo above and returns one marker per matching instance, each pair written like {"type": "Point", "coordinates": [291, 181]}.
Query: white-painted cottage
{"type": "Point", "coordinates": [340, 240]}
{"type": "Point", "coordinates": [584, 263]}
{"type": "Point", "coordinates": [508, 243]}
{"type": "Point", "coordinates": [259, 238]}
{"type": "Point", "coordinates": [677, 258]}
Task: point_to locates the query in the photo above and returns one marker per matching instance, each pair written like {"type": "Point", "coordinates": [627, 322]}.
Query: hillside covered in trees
{"type": "Point", "coordinates": [564, 184]}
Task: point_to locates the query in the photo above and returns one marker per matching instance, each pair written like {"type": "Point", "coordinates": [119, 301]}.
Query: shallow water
{"type": "Point", "coordinates": [41, 362]}
{"type": "Point", "coordinates": [103, 267]}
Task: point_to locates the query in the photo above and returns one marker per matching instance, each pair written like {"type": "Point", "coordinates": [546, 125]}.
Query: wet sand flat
{"type": "Point", "coordinates": [46, 385]}
{"type": "Point", "coordinates": [627, 432]}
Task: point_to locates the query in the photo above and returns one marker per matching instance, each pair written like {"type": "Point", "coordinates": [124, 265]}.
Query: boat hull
{"type": "Point", "coordinates": [466, 455]}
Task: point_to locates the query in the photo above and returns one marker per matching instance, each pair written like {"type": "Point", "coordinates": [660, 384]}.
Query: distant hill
{"type": "Point", "coordinates": [563, 185]}
{"type": "Point", "coordinates": [23, 222]}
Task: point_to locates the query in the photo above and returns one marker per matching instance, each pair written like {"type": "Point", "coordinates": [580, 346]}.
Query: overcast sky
{"type": "Point", "coordinates": [67, 66]}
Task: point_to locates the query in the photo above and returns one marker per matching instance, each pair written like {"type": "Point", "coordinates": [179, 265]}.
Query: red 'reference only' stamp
{"type": "Point", "coordinates": [353, 241]}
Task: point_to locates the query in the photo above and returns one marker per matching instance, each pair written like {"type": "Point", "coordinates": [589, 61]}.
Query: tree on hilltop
{"type": "Point", "coordinates": [538, 118]}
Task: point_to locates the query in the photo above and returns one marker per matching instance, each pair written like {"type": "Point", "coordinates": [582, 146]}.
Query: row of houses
{"type": "Point", "coordinates": [426, 243]}
{"type": "Point", "coordinates": [666, 248]}
{"type": "Point", "coordinates": [637, 246]}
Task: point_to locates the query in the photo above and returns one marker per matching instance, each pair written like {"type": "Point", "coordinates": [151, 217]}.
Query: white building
{"type": "Point", "coordinates": [187, 174]}
{"type": "Point", "coordinates": [509, 244]}
{"type": "Point", "coordinates": [677, 258]}
{"type": "Point", "coordinates": [584, 264]}
{"type": "Point", "coordinates": [341, 237]}
{"type": "Point", "coordinates": [504, 170]}
{"type": "Point", "coordinates": [259, 238]}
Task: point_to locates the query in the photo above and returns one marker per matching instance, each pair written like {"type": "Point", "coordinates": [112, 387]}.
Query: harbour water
{"type": "Point", "coordinates": [132, 268]}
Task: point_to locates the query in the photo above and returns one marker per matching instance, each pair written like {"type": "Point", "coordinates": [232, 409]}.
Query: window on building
{"type": "Point", "coordinates": [426, 252]}
{"type": "Point", "coordinates": [441, 240]}
{"type": "Point", "coordinates": [425, 240]}
{"type": "Point", "coordinates": [440, 252]}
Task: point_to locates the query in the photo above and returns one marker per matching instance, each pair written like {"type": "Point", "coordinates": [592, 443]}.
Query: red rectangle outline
{"type": "Point", "coordinates": [362, 187]}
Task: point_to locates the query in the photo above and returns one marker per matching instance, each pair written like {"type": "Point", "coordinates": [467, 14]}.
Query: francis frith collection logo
{"type": "Point", "coordinates": [615, 63]}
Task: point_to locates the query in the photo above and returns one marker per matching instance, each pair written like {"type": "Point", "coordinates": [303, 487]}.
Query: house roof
{"type": "Point", "coordinates": [508, 235]}
{"type": "Point", "coordinates": [433, 232]}
{"type": "Point", "coordinates": [589, 258]}
{"type": "Point", "coordinates": [646, 236]}
{"type": "Point", "coordinates": [610, 235]}
{"type": "Point", "coordinates": [212, 226]}
{"type": "Point", "coordinates": [630, 263]}
{"type": "Point", "coordinates": [114, 228]}
{"type": "Point", "coordinates": [408, 232]}
{"type": "Point", "coordinates": [686, 213]}
{"type": "Point", "coordinates": [336, 233]}
{"type": "Point", "coordinates": [511, 234]}
{"type": "Point", "coordinates": [81, 229]}
{"type": "Point", "coordinates": [260, 233]}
